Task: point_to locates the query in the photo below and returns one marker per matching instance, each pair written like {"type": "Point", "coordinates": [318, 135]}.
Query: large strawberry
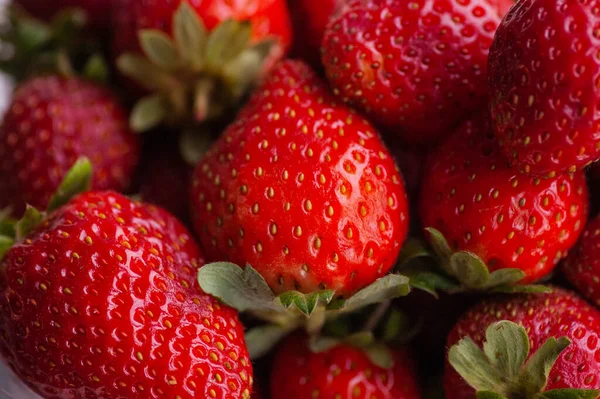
{"type": "Point", "coordinates": [302, 189]}
{"type": "Point", "coordinates": [97, 12]}
{"type": "Point", "coordinates": [51, 122]}
{"type": "Point", "coordinates": [201, 56]}
{"type": "Point", "coordinates": [582, 266]}
{"type": "Point", "coordinates": [544, 96]}
{"type": "Point", "coordinates": [100, 300]}
{"type": "Point", "coordinates": [560, 328]}
{"type": "Point", "coordinates": [415, 66]}
{"type": "Point", "coordinates": [342, 372]}
{"type": "Point", "coordinates": [484, 208]}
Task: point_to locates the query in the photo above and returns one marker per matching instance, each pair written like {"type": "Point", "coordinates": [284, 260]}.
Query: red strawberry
{"type": "Point", "coordinates": [101, 301]}
{"type": "Point", "coordinates": [544, 95]}
{"type": "Point", "coordinates": [582, 266]}
{"type": "Point", "coordinates": [51, 122]}
{"type": "Point", "coordinates": [414, 66]}
{"type": "Point", "coordinates": [302, 189]}
{"type": "Point", "coordinates": [481, 205]}
{"type": "Point", "coordinates": [310, 18]}
{"type": "Point", "coordinates": [559, 314]}
{"type": "Point", "coordinates": [97, 11]}
{"type": "Point", "coordinates": [342, 372]}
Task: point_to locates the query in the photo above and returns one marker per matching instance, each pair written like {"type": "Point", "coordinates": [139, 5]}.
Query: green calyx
{"type": "Point", "coordinates": [246, 290]}
{"type": "Point", "coordinates": [56, 47]}
{"type": "Point", "coordinates": [504, 369]}
{"type": "Point", "coordinates": [460, 270]}
{"type": "Point", "coordinates": [76, 180]}
{"type": "Point", "coordinates": [195, 75]}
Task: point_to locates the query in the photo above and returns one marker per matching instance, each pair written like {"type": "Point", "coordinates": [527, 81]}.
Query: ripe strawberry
{"type": "Point", "coordinates": [543, 96]}
{"type": "Point", "coordinates": [481, 205]}
{"type": "Point", "coordinates": [414, 66]}
{"type": "Point", "coordinates": [310, 18]}
{"type": "Point", "coordinates": [51, 122]}
{"type": "Point", "coordinates": [582, 266]}
{"type": "Point", "coordinates": [97, 11]}
{"type": "Point", "coordinates": [101, 301]}
{"type": "Point", "coordinates": [302, 189]}
{"type": "Point", "coordinates": [557, 314]}
{"type": "Point", "coordinates": [342, 372]}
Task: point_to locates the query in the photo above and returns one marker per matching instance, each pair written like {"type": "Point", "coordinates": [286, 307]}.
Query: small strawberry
{"type": "Point", "coordinates": [482, 206]}
{"type": "Point", "coordinates": [416, 67]}
{"type": "Point", "coordinates": [343, 372]}
{"type": "Point", "coordinates": [544, 95]}
{"type": "Point", "coordinates": [563, 333]}
{"type": "Point", "coordinates": [302, 189]}
{"type": "Point", "coordinates": [100, 300]}
{"type": "Point", "coordinates": [582, 266]}
{"type": "Point", "coordinates": [97, 12]}
{"type": "Point", "coordinates": [51, 122]}
{"type": "Point", "coordinates": [197, 58]}
{"type": "Point", "coordinates": [309, 19]}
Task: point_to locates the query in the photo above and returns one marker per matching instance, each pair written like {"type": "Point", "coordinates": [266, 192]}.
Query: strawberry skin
{"type": "Point", "coordinates": [558, 314]}
{"type": "Point", "coordinates": [101, 301]}
{"type": "Point", "coordinates": [509, 220]}
{"type": "Point", "coordinates": [51, 122]}
{"type": "Point", "coordinates": [582, 266]}
{"type": "Point", "coordinates": [97, 11]}
{"type": "Point", "coordinates": [416, 66]}
{"type": "Point", "coordinates": [342, 372]}
{"type": "Point", "coordinates": [302, 189]}
{"type": "Point", "coordinates": [544, 96]}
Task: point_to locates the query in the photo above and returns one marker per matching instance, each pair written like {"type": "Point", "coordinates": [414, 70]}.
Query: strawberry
{"type": "Point", "coordinates": [97, 11]}
{"type": "Point", "coordinates": [543, 96]}
{"type": "Point", "coordinates": [100, 300]}
{"type": "Point", "coordinates": [341, 372]}
{"type": "Point", "coordinates": [582, 266]}
{"type": "Point", "coordinates": [482, 206]}
{"type": "Point", "coordinates": [310, 18]}
{"type": "Point", "coordinates": [51, 122]}
{"type": "Point", "coordinates": [302, 189]}
{"type": "Point", "coordinates": [201, 57]}
{"type": "Point", "coordinates": [545, 317]}
{"type": "Point", "coordinates": [416, 67]}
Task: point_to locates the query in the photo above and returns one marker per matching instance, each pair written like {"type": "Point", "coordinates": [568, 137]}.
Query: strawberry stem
{"type": "Point", "coordinates": [377, 315]}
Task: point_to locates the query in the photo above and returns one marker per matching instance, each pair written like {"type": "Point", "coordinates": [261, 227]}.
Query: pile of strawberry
{"type": "Point", "coordinates": [403, 209]}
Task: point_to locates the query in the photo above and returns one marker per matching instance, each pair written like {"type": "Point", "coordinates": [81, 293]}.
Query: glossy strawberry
{"type": "Point", "coordinates": [101, 301]}
{"type": "Point", "coordinates": [51, 122]}
{"type": "Point", "coordinates": [342, 372]}
{"type": "Point", "coordinates": [582, 266]}
{"type": "Point", "coordinates": [544, 95]}
{"type": "Point", "coordinates": [97, 11]}
{"type": "Point", "coordinates": [310, 18]}
{"type": "Point", "coordinates": [558, 314]}
{"type": "Point", "coordinates": [302, 189]}
{"type": "Point", "coordinates": [416, 67]}
{"type": "Point", "coordinates": [481, 205]}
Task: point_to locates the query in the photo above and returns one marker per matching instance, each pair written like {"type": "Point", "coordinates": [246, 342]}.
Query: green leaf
{"type": "Point", "coordinates": [489, 395]}
{"type": "Point", "coordinates": [96, 69]}
{"type": "Point", "coordinates": [7, 226]}
{"type": "Point", "coordinates": [320, 343]}
{"type": "Point", "coordinates": [507, 348]}
{"type": "Point", "coordinates": [412, 249]}
{"type": "Point", "coordinates": [569, 393]}
{"type": "Point", "coordinates": [380, 355]}
{"type": "Point", "coordinates": [432, 282]}
{"type": "Point", "coordinates": [193, 144]}
{"type": "Point", "coordinates": [523, 289]}
{"type": "Point", "coordinates": [505, 277]}
{"type": "Point", "coordinates": [438, 243]}
{"type": "Point", "coordinates": [305, 303]}
{"type": "Point", "coordinates": [146, 74]}
{"type": "Point", "coordinates": [469, 269]}
{"type": "Point", "coordinates": [5, 244]}
{"type": "Point", "coordinates": [160, 49]}
{"type": "Point", "coordinates": [148, 113]}
{"type": "Point", "coordinates": [260, 340]}
{"type": "Point", "coordinates": [396, 323]}
{"type": "Point", "coordinates": [474, 367]}
{"type": "Point", "coordinates": [190, 35]}
{"type": "Point", "coordinates": [535, 374]}
{"type": "Point", "coordinates": [226, 42]}
{"type": "Point", "coordinates": [77, 180]}
{"type": "Point", "coordinates": [243, 289]}
{"type": "Point", "coordinates": [30, 220]}
{"type": "Point", "coordinates": [387, 287]}
{"type": "Point", "coordinates": [31, 34]}
{"type": "Point", "coordinates": [68, 23]}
